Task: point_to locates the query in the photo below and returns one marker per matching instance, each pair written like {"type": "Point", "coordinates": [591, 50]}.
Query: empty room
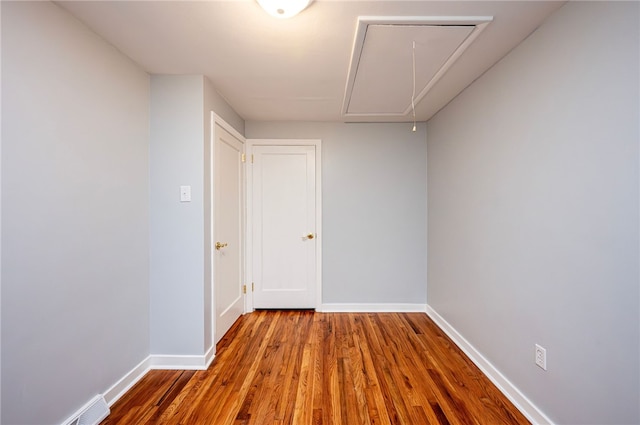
{"type": "Point", "coordinates": [320, 212]}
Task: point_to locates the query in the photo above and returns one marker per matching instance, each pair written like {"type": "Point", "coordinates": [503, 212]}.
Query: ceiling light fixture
{"type": "Point", "coordinates": [284, 8]}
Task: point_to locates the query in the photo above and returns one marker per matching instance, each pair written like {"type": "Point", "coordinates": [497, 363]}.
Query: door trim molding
{"type": "Point", "coordinates": [217, 119]}
{"type": "Point", "coordinates": [214, 120]}
{"type": "Point", "coordinates": [250, 143]}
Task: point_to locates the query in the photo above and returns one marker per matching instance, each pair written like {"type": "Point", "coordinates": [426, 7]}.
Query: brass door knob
{"type": "Point", "coordinates": [311, 236]}
{"type": "Point", "coordinates": [220, 245]}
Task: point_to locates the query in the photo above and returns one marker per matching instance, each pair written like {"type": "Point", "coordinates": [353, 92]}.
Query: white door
{"type": "Point", "coordinates": [227, 230]}
{"type": "Point", "coordinates": [284, 226]}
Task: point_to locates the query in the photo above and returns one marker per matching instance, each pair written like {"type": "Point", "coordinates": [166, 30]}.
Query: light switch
{"type": "Point", "coordinates": [185, 193]}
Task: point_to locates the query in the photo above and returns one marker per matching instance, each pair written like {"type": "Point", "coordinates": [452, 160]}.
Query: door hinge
{"type": "Point", "coordinates": [252, 287]}
{"type": "Point", "coordinates": [244, 157]}
{"type": "Point", "coordinates": [252, 158]}
{"type": "Point", "coordinates": [244, 289]}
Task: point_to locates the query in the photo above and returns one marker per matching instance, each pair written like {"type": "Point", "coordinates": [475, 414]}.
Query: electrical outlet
{"type": "Point", "coordinates": [541, 357]}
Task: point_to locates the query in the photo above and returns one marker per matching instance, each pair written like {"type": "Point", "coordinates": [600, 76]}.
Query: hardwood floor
{"type": "Point", "coordinates": [301, 367]}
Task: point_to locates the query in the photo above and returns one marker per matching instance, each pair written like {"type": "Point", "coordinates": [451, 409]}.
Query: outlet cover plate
{"type": "Point", "coordinates": [541, 357]}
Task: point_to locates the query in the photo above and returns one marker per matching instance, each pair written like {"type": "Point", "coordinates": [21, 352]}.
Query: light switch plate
{"type": "Point", "coordinates": [185, 193]}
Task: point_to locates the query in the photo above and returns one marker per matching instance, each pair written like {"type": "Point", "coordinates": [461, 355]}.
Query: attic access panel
{"type": "Point", "coordinates": [380, 81]}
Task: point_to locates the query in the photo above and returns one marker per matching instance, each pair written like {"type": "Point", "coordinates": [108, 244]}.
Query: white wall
{"type": "Point", "coordinates": [0, 210]}
{"type": "Point", "coordinates": [374, 208]}
{"type": "Point", "coordinates": [75, 265]}
{"type": "Point", "coordinates": [177, 236]}
{"type": "Point", "coordinates": [180, 245]}
{"type": "Point", "coordinates": [213, 101]}
{"type": "Point", "coordinates": [533, 183]}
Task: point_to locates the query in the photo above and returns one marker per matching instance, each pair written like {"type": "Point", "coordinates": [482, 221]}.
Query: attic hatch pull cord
{"type": "Point", "coordinates": [413, 94]}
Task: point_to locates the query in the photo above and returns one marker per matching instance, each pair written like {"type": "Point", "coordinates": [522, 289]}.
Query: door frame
{"type": "Point", "coordinates": [250, 143]}
{"type": "Point", "coordinates": [210, 238]}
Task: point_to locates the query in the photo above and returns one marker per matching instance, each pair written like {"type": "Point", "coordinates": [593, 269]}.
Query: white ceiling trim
{"type": "Point", "coordinates": [479, 23]}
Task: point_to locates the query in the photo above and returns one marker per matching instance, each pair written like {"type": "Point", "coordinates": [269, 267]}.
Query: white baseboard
{"type": "Point", "coordinates": [118, 389]}
{"type": "Point", "coordinates": [373, 308]}
{"type": "Point", "coordinates": [519, 400]}
{"type": "Point", "coordinates": [209, 356]}
{"type": "Point", "coordinates": [180, 362]}
{"type": "Point", "coordinates": [159, 362]}
{"type": "Point", "coordinates": [125, 383]}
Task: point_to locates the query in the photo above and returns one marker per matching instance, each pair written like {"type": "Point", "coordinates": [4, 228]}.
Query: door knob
{"type": "Point", "coordinates": [220, 245]}
{"type": "Point", "coordinates": [310, 236]}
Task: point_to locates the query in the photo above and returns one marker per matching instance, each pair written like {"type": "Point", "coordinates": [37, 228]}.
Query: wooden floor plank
{"type": "Point", "coordinates": [306, 368]}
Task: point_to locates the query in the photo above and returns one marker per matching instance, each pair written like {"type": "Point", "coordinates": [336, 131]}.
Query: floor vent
{"type": "Point", "coordinates": [94, 413]}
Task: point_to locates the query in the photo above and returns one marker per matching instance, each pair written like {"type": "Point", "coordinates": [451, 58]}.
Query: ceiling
{"type": "Point", "coordinates": [349, 61]}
